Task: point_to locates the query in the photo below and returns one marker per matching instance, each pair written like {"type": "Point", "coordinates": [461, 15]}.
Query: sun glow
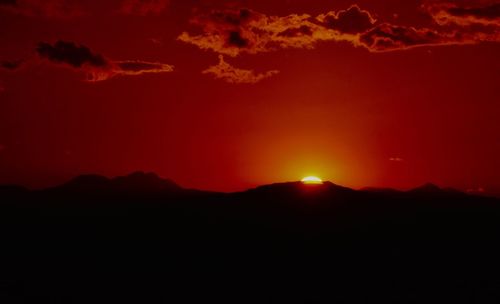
{"type": "Point", "coordinates": [312, 180]}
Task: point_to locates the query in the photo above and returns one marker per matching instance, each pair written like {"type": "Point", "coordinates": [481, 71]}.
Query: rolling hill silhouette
{"type": "Point", "coordinates": [143, 239]}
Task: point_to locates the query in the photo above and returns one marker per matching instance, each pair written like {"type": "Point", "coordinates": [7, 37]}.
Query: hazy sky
{"type": "Point", "coordinates": [225, 95]}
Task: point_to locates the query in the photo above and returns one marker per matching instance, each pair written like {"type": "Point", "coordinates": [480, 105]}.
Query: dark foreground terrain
{"type": "Point", "coordinates": [140, 239]}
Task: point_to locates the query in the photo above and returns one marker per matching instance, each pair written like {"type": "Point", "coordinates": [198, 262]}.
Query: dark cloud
{"type": "Point", "coordinates": [237, 40]}
{"type": "Point", "coordinates": [96, 66]}
{"type": "Point", "coordinates": [11, 64]}
{"type": "Point", "coordinates": [488, 12]}
{"type": "Point", "coordinates": [70, 53]}
{"type": "Point", "coordinates": [352, 21]}
{"type": "Point", "coordinates": [445, 13]}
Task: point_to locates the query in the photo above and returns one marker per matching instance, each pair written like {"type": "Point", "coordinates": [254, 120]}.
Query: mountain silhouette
{"type": "Point", "coordinates": [140, 238]}
{"type": "Point", "coordinates": [137, 182]}
{"type": "Point", "coordinates": [150, 183]}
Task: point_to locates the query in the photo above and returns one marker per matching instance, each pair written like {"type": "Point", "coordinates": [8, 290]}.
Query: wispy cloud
{"type": "Point", "coordinates": [230, 74]}
{"type": "Point", "coordinates": [396, 159]}
{"type": "Point", "coordinates": [478, 190]}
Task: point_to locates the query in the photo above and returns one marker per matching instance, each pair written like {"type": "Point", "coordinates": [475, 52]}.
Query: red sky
{"type": "Point", "coordinates": [386, 93]}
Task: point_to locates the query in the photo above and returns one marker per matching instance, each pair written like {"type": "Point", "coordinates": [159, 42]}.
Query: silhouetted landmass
{"type": "Point", "coordinates": [143, 239]}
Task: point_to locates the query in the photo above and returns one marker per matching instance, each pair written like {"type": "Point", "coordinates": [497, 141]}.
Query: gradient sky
{"type": "Point", "coordinates": [226, 95]}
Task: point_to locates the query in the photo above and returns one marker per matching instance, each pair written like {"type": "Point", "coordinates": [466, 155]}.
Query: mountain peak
{"type": "Point", "coordinates": [143, 181]}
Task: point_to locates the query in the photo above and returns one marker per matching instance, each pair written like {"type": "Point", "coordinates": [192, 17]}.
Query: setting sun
{"type": "Point", "coordinates": [312, 180]}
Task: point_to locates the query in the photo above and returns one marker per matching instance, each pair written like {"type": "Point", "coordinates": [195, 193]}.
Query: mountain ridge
{"type": "Point", "coordinates": [140, 182]}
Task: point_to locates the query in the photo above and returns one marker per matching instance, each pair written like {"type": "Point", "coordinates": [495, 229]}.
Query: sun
{"type": "Point", "coordinates": [312, 180]}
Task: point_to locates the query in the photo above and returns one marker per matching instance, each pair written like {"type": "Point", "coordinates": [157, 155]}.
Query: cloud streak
{"type": "Point", "coordinates": [387, 37]}
{"type": "Point", "coordinates": [230, 74]}
{"type": "Point", "coordinates": [96, 66]}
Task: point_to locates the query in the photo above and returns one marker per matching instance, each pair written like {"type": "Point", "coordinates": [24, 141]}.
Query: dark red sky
{"type": "Point", "coordinates": [389, 94]}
